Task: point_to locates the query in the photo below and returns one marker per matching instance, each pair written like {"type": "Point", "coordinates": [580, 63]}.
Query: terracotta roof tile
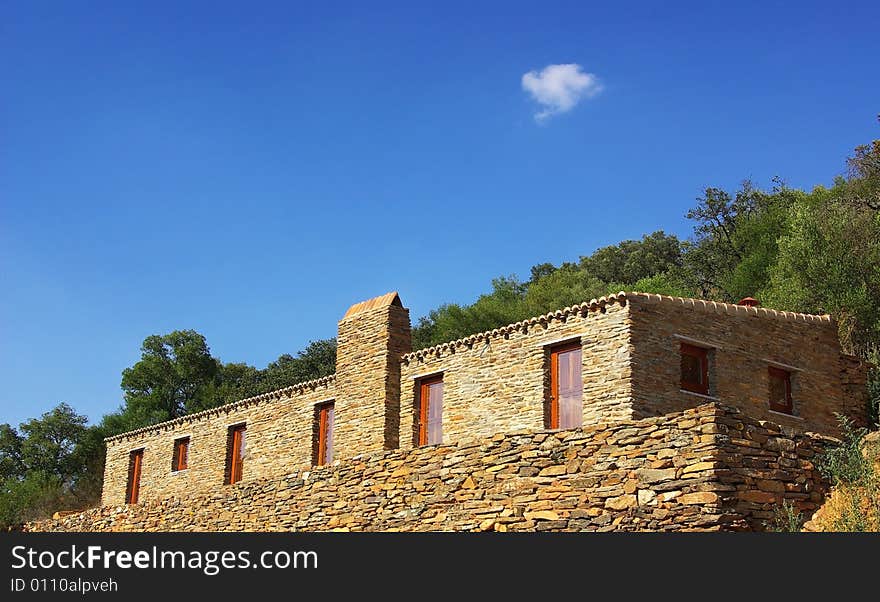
{"type": "Point", "coordinates": [621, 297]}
{"type": "Point", "coordinates": [270, 396]}
{"type": "Point", "coordinates": [385, 300]}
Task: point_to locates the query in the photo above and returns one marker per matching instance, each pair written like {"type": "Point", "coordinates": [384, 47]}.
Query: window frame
{"type": "Point", "coordinates": [135, 471]}
{"type": "Point", "coordinates": [785, 375]}
{"type": "Point", "coordinates": [321, 418]}
{"type": "Point", "coordinates": [702, 354]}
{"type": "Point", "coordinates": [234, 461]}
{"type": "Point", "coordinates": [423, 389]}
{"type": "Point", "coordinates": [552, 420]}
{"type": "Point", "coordinates": [176, 464]}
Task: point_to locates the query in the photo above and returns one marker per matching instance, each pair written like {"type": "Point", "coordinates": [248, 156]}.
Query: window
{"type": "Point", "coordinates": [135, 463]}
{"type": "Point", "coordinates": [430, 411]}
{"type": "Point", "coordinates": [324, 420]}
{"type": "Point", "coordinates": [180, 457]}
{"type": "Point", "coordinates": [780, 390]}
{"type": "Point", "coordinates": [235, 450]}
{"type": "Point", "coordinates": [566, 401]}
{"type": "Point", "coordinates": [694, 369]}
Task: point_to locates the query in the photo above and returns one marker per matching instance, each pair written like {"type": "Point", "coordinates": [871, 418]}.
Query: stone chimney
{"type": "Point", "coordinates": [372, 337]}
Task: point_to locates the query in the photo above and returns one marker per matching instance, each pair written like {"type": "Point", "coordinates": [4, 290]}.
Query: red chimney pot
{"type": "Point", "coordinates": [749, 301]}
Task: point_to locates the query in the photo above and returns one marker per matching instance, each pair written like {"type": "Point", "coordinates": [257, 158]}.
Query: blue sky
{"type": "Point", "coordinates": [249, 170]}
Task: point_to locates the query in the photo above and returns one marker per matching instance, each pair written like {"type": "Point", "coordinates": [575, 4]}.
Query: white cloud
{"type": "Point", "coordinates": [558, 88]}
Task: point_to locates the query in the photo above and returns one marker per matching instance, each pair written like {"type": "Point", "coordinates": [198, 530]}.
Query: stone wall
{"type": "Point", "coordinates": [854, 388]}
{"type": "Point", "coordinates": [744, 341]}
{"type": "Point", "coordinates": [372, 337]}
{"type": "Point", "coordinates": [706, 468]}
{"type": "Point", "coordinates": [278, 440]}
{"type": "Point", "coordinates": [499, 381]}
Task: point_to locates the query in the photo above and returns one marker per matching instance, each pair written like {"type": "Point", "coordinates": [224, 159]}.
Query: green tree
{"type": "Point", "coordinates": [505, 304]}
{"type": "Point", "coordinates": [633, 260]}
{"type": "Point", "coordinates": [318, 359]}
{"type": "Point", "coordinates": [11, 462]}
{"type": "Point", "coordinates": [564, 287]}
{"type": "Point", "coordinates": [51, 444]}
{"type": "Point", "coordinates": [829, 261]}
{"type": "Point", "coordinates": [49, 463]}
{"type": "Point", "coordinates": [176, 375]}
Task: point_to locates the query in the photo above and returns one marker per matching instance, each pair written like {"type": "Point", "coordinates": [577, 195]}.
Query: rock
{"type": "Point", "coordinates": [621, 503]}
{"type": "Point", "coordinates": [541, 515]}
{"type": "Point", "coordinates": [700, 497]}
{"type": "Point", "coordinates": [669, 495]}
{"type": "Point", "coordinates": [646, 497]}
{"type": "Point", "coordinates": [760, 497]}
{"type": "Point", "coordinates": [468, 483]}
{"type": "Point", "coordinates": [552, 471]}
{"type": "Point", "coordinates": [654, 475]}
{"type": "Point", "coordinates": [698, 467]}
{"type": "Point", "coordinates": [771, 486]}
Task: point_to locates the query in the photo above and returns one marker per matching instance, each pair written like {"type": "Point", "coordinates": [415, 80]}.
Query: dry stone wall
{"type": "Point", "coordinates": [743, 342]}
{"type": "Point", "coordinates": [499, 381]}
{"type": "Point", "coordinates": [706, 468]}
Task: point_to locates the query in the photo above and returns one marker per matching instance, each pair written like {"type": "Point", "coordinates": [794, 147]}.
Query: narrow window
{"type": "Point", "coordinates": [135, 463]}
{"type": "Point", "coordinates": [180, 457]}
{"type": "Point", "coordinates": [566, 403]}
{"type": "Point", "coordinates": [694, 369]}
{"type": "Point", "coordinates": [324, 418]}
{"type": "Point", "coordinates": [430, 411]}
{"type": "Point", "coordinates": [780, 390]}
{"type": "Point", "coordinates": [235, 451]}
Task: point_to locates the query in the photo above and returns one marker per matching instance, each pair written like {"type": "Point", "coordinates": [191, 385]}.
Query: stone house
{"type": "Point", "coordinates": [627, 356]}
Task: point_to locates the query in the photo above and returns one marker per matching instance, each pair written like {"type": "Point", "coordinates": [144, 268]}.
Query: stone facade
{"type": "Point", "coordinates": [496, 383]}
{"type": "Point", "coordinates": [743, 342]}
{"type": "Point", "coordinates": [279, 439]}
{"type": "Point", "coordinates": [708, 468]}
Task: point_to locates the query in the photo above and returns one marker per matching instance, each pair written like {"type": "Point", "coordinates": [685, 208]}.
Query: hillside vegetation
{"type": "Point", "coordinates": [815, 251]}
{"type": "Point", "coordinates": [853, 468]}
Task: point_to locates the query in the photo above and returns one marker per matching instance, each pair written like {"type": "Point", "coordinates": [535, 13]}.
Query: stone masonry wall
{"type": "Point", "coordinates": [278, 440]}
{"type": "Point", "coordinates": [706, 468]}
{"type": "Point", "coordinates": [854, 388]}
{"type": "Point", "coordinates": [744, 342]}
{"type": "Point", "coordinates": [499, 381]}
{"type": "Point", "coordinates": [370, 343]}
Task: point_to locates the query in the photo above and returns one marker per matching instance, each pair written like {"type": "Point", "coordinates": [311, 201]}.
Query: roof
{"type": "Point", "coordinates": [560, 314]}
{"type": "Point", "coordinates": [385, 300]}
{"type": "Point", "coordinates": [621, 298]}
{"type": "Point", "coordinates": [271, 395]}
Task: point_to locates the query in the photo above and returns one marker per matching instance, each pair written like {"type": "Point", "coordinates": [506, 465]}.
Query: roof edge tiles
{"type": "Point", "coordinates": [733, 308]}
{"type": "Point", "coordinates": [621, 297]}
{"type": "Point", "coordinates": [560, 314]}
{"type": "Point", "coordinates": [269, 396]}
{"type": "Point", "coordinates": [385, 300]}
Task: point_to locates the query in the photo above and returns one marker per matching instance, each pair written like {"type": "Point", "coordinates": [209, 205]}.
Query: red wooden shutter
{"type": "Point", "coordinates": [325, 433]}
{"type": "Point", "coordinates": [134, 477]}
{"type": "Point", "coordinates": [431, 411]}
{"type": "Point", "coordinates": [566, 387]}
{"type": "Point", "coordinates": [181, 453]}
{"type": "Point", "coordinates": [236, 453]}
